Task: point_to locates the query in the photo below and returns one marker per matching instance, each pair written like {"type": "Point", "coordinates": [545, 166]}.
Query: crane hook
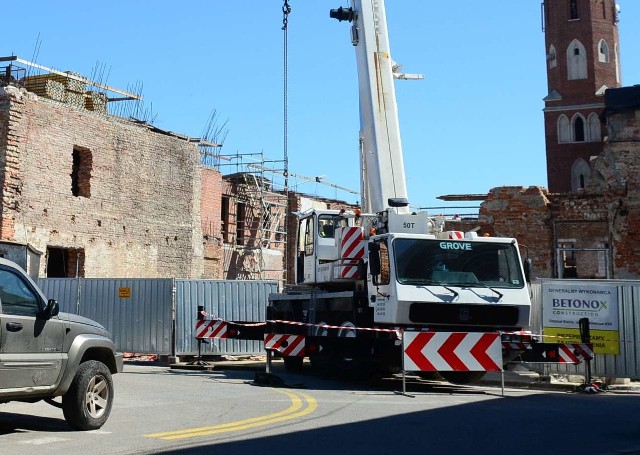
{"type": "Point", "coordinates": [286, 10]}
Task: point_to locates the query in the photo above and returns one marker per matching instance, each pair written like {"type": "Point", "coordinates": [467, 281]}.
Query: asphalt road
{"type": "Point", "coordinates": [163, 410]}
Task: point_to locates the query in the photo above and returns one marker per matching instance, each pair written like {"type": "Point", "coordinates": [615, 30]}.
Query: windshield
{"type": "Point", "coordinates": [448, 262]}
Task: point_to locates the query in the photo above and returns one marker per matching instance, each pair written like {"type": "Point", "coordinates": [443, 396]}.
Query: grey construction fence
{"type": "Point", "coordinates": [626, 364]}
{"type": "Point", "coordinates": [158, 316]}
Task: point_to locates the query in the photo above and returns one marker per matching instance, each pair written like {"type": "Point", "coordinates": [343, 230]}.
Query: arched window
{"type": "Point", "coordinates": [593, 123]}
{"type": "Point", "coordinates": [577, 127]}
{"type": "Point", "coordinates": [564, 132]}
{"type": "Point", "coordinates": [580, 174]}
{"type": "Point", "coordinates": [551, 57]}
{"type": "Point", "coordinates": [603, 51]}
{"type": "Point", "coordinates": [576, 61]}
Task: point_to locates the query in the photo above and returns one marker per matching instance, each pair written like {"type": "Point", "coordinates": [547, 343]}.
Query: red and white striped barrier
{"type": "Point", "coordinates": [211, 329]}
{"type": "Point", "coordinates": [398, 332]}
{"type": "Point", "coordinates": [452, 351]}
{"type": "Point", "coordinates": [287, 345]}
{"type": "Point", "coordinates": [574, 353]}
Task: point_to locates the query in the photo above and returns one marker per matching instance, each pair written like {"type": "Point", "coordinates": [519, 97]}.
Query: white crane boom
{"type": "Point", "coordinates": [383, 175]}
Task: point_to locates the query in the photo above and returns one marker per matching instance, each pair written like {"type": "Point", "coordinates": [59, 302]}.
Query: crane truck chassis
{"type": "Point", "coordinates": [362, 280]}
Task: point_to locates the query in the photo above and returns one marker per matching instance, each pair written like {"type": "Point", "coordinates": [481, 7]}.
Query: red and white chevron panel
{"type": "Point", "coordinates": [287, 345]}
{"type": "Point", "coordinates": [211, 329]}
{"type": "Point", "coordinates": [452, 351]}
{"type": "Point", "coordinates": [574, 352]}
{"type": "Point", "coordinates": [351, 251]}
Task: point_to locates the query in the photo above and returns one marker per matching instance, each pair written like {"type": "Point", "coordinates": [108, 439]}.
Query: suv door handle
{"type": "Point", "coordinates": [14, 326]}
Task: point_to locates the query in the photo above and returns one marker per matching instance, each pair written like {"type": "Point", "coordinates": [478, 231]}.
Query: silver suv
{"type": "Point", "coordinates": [46, 354]}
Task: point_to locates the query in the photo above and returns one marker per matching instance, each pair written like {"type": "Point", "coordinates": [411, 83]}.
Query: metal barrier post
{"type": "Point", "coordinates": [585, 337]}
{"type": "Point", "coordinates": [268, 367]}
{"type": "Point", "coordinates": [199, 361]}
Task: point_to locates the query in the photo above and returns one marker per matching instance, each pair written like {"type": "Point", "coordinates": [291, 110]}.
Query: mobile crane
{"type": "Point", "coordinates": [361, 276]}
{"type": "Point", "coordinates": [364, 280]}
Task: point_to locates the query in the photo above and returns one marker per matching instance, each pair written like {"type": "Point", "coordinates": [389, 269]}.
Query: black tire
{"type": "Point", "coordinates": [463, 377]}
{"type": "Point", "coordinates": [87, 403]}
{"type": "Point", "coordinates": [293, 363]}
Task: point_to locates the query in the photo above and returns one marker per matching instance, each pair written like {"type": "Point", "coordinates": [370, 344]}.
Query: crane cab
{"type": "Point", "coordinates": [329, 247]}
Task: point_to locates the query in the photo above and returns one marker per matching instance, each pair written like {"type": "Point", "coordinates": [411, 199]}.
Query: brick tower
{"type": "Point", "coordinates": [581, 39]}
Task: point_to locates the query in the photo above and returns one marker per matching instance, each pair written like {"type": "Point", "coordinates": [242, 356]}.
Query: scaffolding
{"type": "Point", "coordinates": [255, 229]}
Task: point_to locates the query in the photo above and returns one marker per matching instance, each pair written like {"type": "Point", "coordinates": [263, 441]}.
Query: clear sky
{"type": "Point", "coordinates": [475, 122]}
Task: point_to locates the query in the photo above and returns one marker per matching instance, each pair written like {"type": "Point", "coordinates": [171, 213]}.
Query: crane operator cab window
{"type": "Point", "coordinates": [327, 225]}
{"type": "Point", "coordinates": [326, 228]}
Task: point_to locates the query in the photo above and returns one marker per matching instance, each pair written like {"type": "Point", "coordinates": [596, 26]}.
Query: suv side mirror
{"type": "Point", "coordinates": [52, 308]}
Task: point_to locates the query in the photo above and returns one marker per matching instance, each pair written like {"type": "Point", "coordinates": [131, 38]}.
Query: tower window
{"type": "Point", "coordinates": [580, 174]}
{"type": "Point", "coordinates": [551, 57]}
{"type": "Point", "coordinates": [603, 51]}
{"type": "Point", "coordinates": [578, 129]}
{"type": "Point", "coordinates": [595, 134]}
{"type": "Point", "coordinates": [576, 61]}
{"type": "Point", "coordinates": [564, 132]}
{"type": "Point", "coordinates": [82, 163]}
{"type": "Point", "coordinates": [573, 9]}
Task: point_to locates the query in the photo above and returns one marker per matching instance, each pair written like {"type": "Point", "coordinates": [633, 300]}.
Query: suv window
{"type": "Point", "coordinates": [16, 297]}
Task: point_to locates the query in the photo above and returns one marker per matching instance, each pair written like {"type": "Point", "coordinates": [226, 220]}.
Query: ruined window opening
{"type": "Point", "coordinates": [241, 220]}
{"type": "Point", "coordinates": [65, 262]}
{"type": "Point", "coordinates": [81, 172]}
{"type": "Point", "coordinates": [225, 218]}
{"type": "Point", "coordinates": [567, 260]}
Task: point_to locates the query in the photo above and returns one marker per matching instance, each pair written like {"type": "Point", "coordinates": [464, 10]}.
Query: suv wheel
{"type": "Point", "coordinates": [87, 403]}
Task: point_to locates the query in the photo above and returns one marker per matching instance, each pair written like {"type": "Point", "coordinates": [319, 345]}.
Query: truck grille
{"type": "Point", "coordinates": [447, 314]}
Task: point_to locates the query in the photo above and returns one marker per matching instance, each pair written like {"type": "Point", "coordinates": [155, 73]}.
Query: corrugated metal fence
{"type": "Point", "coordinates": [158, 316]}
{"type": "Point", "coordinates": [624, 365]}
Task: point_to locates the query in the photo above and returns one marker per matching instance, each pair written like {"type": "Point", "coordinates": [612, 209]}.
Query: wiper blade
{"type": "Point", "coordinates": [453, 291]}
{"type": "Point", "coordinates": [431, 283]}
{"type": "Point", "coordinates": [498, 293]}
{"type": "Point", "coordinates": [477, 284]}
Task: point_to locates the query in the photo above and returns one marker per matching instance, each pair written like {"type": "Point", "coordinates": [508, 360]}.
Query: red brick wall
{"type": "Point", "coordinates": [142, 218]}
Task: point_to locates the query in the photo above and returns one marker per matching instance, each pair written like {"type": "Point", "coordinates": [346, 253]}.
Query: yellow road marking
{"type": "Point", "coordinates": [291, 412]}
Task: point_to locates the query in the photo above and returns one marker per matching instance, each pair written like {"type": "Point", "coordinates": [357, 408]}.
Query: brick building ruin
{"type": "Point", "coordinates": [100, 195]}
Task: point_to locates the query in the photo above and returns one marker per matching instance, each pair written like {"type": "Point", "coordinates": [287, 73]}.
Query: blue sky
{"type": "Point", "coordinates": [475, 122]}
